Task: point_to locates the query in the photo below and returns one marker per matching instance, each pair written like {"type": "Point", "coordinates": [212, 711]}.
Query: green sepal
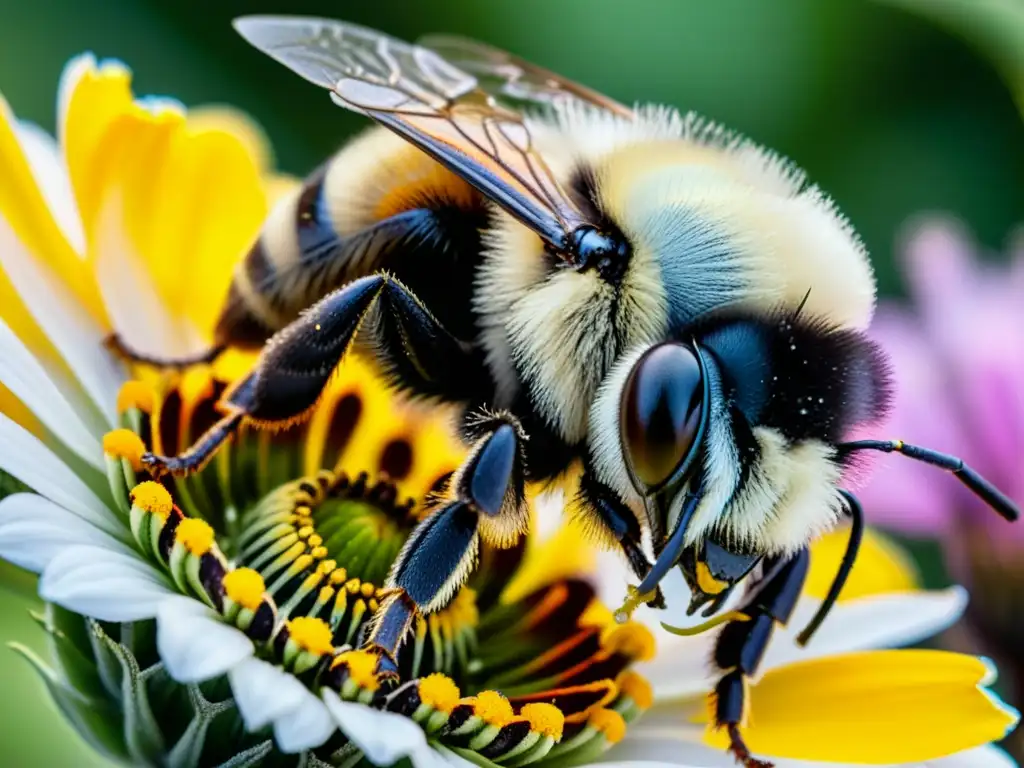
{"type": "Point", "coordinates": [188, 750]}
{"type": "Point", "coordinates": [142, 733]}
{"type": "Point", "coordinates": [97, 720]}
{"type": "Point", "coordinates": [251, 757]}
{"type": "Point", "coordinates": [68, 642]}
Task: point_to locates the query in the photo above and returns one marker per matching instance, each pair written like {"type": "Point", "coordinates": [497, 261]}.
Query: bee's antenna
{"type": "Point", "coordinates": [977, 484]}
{"type": "Point", "coordinates": [856, 513]}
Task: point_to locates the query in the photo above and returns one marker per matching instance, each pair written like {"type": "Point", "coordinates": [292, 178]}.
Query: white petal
{"type": "Point", "coordinates": [26, 377]}
{"type": "Point", "coordinates": [34, 530]}
{"type": "Point", "coordinates": [106, 585]}
{"type": "Point", "coordinates": [880, 621]}
{"type": "Point", "coordinates": [980, 757]}
{"type": "Point", "coordinates": [384, 737]}
{"type": "Point", "coordinates": [25, 457]}
{"type": "Point", "coordinates": [307, 726]}
{"type": "Point", "coordinates": [194, 643]}
{"type": "Point", "coordinates": [52, 178]}
{"type": "Point", "coordinates": [69, 327]}
{"type": "Point", "coordinates": [263, 692]}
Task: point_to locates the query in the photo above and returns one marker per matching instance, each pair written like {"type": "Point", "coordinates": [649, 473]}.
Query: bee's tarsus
{"type": "Point", "coordinates": [741, 752]}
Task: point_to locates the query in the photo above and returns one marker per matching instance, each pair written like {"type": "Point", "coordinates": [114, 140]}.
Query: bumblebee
{"type": "Point", "coordinates": [643, 301]}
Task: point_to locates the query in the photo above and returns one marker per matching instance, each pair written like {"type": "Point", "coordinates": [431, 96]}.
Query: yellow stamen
{"type": "Point", "coordinates": [326, 566]}
{"type": "Point", "coordinates": [305, 532]}
{"type": "Point", "coordinates": [326, 593]}
{"type": "Point", "coordinates": [545, 719]}
{"type": "Point", "coordinates": [633, 640]}
{"type": "Point", "coordinates": [135, 394]}
{"type": "Point", "coordinates": [362, 668]}
{"type": "Point", "coordinates": [311, 635]}
{"type": "Point", "coordinates": [245, 587]}
{"type": "Point", "coordinates": [368, 589]}
{"type": "Point", "coordinates": [152, 498]}
{"type": "Point", "coordinates": [608, 722]}
{"type": "Point", "coordinates": [492, 708]}
{"type": "Point", "coordinates": [636, 687]}
{"type": "Point", "coordinates": [125, 444]}
{"type": "Point", "coordinates": [195, 535]}
{"type": "Point", "coordinates": [339, 576]}
{"type": "Point", "coordinates": [439, 692]}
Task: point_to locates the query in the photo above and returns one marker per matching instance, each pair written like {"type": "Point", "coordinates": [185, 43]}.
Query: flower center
{"type": "Point", "coordinates": [299, 560]}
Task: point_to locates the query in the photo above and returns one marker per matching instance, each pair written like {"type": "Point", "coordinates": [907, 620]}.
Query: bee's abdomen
{"type": "Point", "coordinates": [379, 204]}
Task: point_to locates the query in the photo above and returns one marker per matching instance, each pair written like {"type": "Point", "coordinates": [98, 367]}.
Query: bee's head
{"type": "Point", "coordinates": [664, 411]}
{"type": "Point", "coordinates": [726, 441]}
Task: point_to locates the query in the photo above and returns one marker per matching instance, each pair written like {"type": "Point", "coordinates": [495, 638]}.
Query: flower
{"type": "Point", "coordinates": [958, 358]}
{"type": "Point", "coordinates": [217, 618]}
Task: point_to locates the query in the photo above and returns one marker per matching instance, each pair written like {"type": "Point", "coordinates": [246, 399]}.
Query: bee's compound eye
{"type": "Point", "coordinates": [660, 412]}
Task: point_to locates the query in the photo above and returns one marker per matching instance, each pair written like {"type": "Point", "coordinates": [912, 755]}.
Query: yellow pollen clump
{"type": "Point", "coordinates": [439, 692]}
{"type": "Point", "coordinates": [632, 639]}
{"type": "Point", "coordinates": [610, 723]}
{"type": "Point", "coordinates": [315, 540]}
{"type": "Point", "coordinates": [545, 719]}
{"type": "Point", "coordinates": [318, 553]}
{"type": "Point", "coordinates": [493, 708]}
{"type": "Point", "coordinates": [327, 566]}
{"type": "Point", "coordinates": [637, 688]}
{"type": "Point", "coordinates": [135, 394]}
{"type": "Point", "coordinates": [125, 444]}
{"type": "Point", "coordinates": [245, 587]}
{"type": "Point", "coordinates": [195, 535]}
{"type": "Point", "coordinates": [152, 498]}
{"type": "Point", "coordinates": [305, 532]}
{"type": "Point", "coordinates": [367, 589]}
{"type": "Point", "coordinates": [339, 576]}
{"type": "Point", "coordinates": [311, 635]}
{"type": "Point", "coordinates": [362, 668]}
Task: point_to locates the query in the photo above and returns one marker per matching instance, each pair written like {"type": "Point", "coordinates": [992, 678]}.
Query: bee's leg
{"type": "Point", "coordinates": [742, 644]}
{"type": "Point", "coordinates": [489, 503]}
{"type": "Point", "coordinates": [298, 361]}
{"type": "Point", "coordinates": [122, 349]}
{"type": "Point", "coordinates": [619, 520]}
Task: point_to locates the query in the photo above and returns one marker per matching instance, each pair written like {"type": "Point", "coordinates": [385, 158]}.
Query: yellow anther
{"type": "Point", "coordinates": [362, 668]}
{"type": "Point", "coordinates": [195, 535]}
{"type": "Point", "coordinates": [315, 540]}
{"type": "Point", "coordinates": [439, 692]}
{"type": "Point", "coordinates": [311, 635]}
{"type": "Point", "coordinates": [608, 722]}
{"type": "Point", "coordinates": [352, 585]}
{"type": "Point", "coordinates": [545, 719]}
{"type": "Point", "coordinates": [135, 394]}
{"type": "Point", "coordinates": [633, 640]}
{"type": "Point", "coordinates": [326, 593]}
{"type": "Point", "coordinates": [492, 708]}
{"type": "Point", "coordinates": [636, 687]}
{"type": "Point", "coordinates": [318, 553]}
{"type": "Point", "coordinates": [339, 576]}
{"type": "Point", "coordinates": [367, 589]}
{"type": "Point", "coordinates": [303, 522]}
{"type": "Point", "coordinates": [326, 566]}
{"type": "Point", "coordinates": [152, 498]}
{"type": "Point", "coordinates": [125, 444]}
{"type": "Point", "coordinates": [302, 562]}
{"type": "Point", "coordinates": [245, 587]}
{"type": "Point", "coordinates": [372, 604]}
{"type": "Point", "coordinates": [305, 531]}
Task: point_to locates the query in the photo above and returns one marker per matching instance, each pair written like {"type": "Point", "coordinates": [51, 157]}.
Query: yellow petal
{"type": "Point", "coordinates": [382, 419]}
{"type": "Point", "coordinates": [882, 566]}
{"type": "Point", "coordinates": [565, 554]}
{"type": "Point", "coordinates": [25, 208]}
{"type": "Point", "coordinates": [875, 707]}
{"type": "Point", "coordinates": [13, 408]}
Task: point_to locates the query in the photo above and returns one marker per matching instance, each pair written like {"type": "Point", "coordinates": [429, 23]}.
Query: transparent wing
{"type": "Point", "coordinates": [501, 73]}
{"type": "Point", "coordinates": [432, 104]}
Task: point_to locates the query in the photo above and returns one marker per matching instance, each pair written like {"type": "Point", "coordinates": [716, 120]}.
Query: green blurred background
{"type": "Point", "coordinates": [892, 112]}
